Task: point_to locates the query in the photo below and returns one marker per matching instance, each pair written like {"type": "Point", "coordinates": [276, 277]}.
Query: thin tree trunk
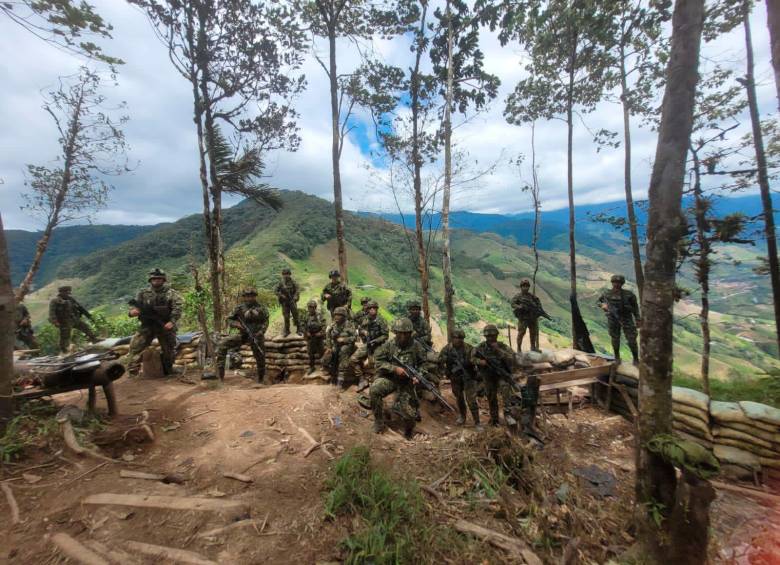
{"type": "Point", "coordinates": [773, 23]}
{"type": "Point", "coordinates": [422, 259]}
{"type": "Point", "coordinates": [763, 178]}
{"type": "Point", "coordinates": [627, 175]}
{"type": "Point", "coordinates": [703, 271]}
{"type": "Point", "coordinates": [7, 317]}
{"type": "Point", "coordinates": [336, 154]}
{"type": "Point", "coordinates": [655, 480]}
{"type": "Point", "coordinates": [202, 318]}
{"type": "Point", "coordinates": [537, 207]}
{"type": "Point", "coordinates": [445, 209]}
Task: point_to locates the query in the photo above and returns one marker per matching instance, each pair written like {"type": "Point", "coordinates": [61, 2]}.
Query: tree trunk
{"type": "Point", "coordinates": [639, 277]}
{"type": "Point", "coordinates": [336, 154]}
{"type": "Point", "coordinates": [656, 481]}
{"type": "Point", "coordinates": [580, 334]}
{"type": "Point", "coordinates": [7, 317]}
{"type": "Point", "coordinates": [703, 271]}
{"type": "Point", "coordinates": [537, 207]}
{"type": "Point", "coordinates": [202, 318]}
{"type": "Point", "coordinates": [773, 23]}
{"type": "Point", "coordinates": [763, 178]}
{"type": "Point", "coordinates": [422, 257]}
{"type": "Point", "coordinates": [445, 208]}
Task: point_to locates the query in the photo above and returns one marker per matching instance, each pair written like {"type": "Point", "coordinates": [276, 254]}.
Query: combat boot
{"type": "Point", "coordinates": [379, 427]}
{"type": "Point", "coordinates": [221, 373]}
{"type": "Point", "coordinates": [475, 415]}
{"type": "Point", "coordinates": [409, 429]}
{"type": "Point", "coordinates": [616, 349]}
{"type": "Point", "coordinates": [634, 352]}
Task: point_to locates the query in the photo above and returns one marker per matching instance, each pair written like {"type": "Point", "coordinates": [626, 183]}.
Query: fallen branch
{"type": "Point", "coordinates": [514, 546]}
{"type": "Point", "coordinates": [139, 475]}
{"type": "Point", "coordinates": [115, 555]}
{"type": "Point", "coordinates": [312, 448]}
{"type": "Point", "coordinates": [85, 473]}
{"type": "Point", "coordinates": [69, 436]}
{"type": "Point", "coordinates": [76, 551]}
{"type": "Point", "coordinates": [9, 495]}
{"type": "Point", "coordinates": [314, 443]}
{"type": "Point", "coordinates": [228, 528]}
{"type": "Point", "coordinates": [169, 502]}
{"type": "Point", "coordinates": [432, 492]}
{"type": "Point", "coordinates": [188, 418]}
{"type": "Point", "coordinates": [169, 553]}
{"type": "Point", "coordinates": [238, 477]}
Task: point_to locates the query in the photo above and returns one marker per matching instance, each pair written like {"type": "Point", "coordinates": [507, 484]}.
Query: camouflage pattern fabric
{"type": "Point", "coordinates": [314, 326]}
{"type": "Point", "coordinates": [287, 293]}
{"type": "Point", "coordinates": [422, 330]}
{"type": "Point", "coordinates": [340, 295]}
{"type": "Point", "coordinates": [167, 305]}
{"type": "Point", "coordinates": [495, 386]}
{"type": "Point", "coordinates": [256, 317]}
{"type": "Point", "coordinates": [387, 382]}
{"type": "Point", "coordinates": [456, 364]}
{"type": "Point", "coordinates": [23, 330]}
{"type": "Point", "coordinates": [374, 332]}
{"type": "Point", "coordinates": [340, 340]}
{"type": "Point", "coordinates": [622, 313]}
{"type": "Point", "coordinates": [526, 307]}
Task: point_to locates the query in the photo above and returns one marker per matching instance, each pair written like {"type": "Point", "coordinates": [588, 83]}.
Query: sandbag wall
{"type": "Point", "coordinates": [187, 352]}
{"type": "Point", "coordinates": [285, 358]}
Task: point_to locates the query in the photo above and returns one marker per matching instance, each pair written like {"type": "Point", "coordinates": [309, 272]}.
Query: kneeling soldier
{"type": "Point", "coordinates": [340, 340]}
{"type": "Point", "coordinates": [373, 332]}
{"type": "Point", "coordinates": [494, 362]}
{"type": "Point", "coordinates": [159, 309]}
{"type": "Point", "coordinates": [314, 333]}
{"type": "Point", "coordinates": [251, 319]}
{"type": "Point", "coordinates": [391, 377]}
{"type": "Point", "coordinates": [455, 362]}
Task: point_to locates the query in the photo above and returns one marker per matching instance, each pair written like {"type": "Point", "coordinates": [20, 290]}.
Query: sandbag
{"type": "Point", "coordinates": [761, 412]}
{"type": "Point", "coordinates": [753, 430]}
{"type": "Point", "coordinates": [735, 456]}
{"type": "Point", "coordinates": [722, 431]}
{"type": "Point", "coordinates": [562, 357]}
{"type": "Point", "coordinates": [628, 370]}
{"type": "Point", "coordinates": [679, 408]}
{"type": "Point", "coordinates": [771, 462]}
{"type": "Point", "coordinates": [582, 358]}
{"type": "Point", "coordinates": [691, 398]}
{"type": "Point", "coordinates": [684, 434]}
{"type": "Point", "coordinates": [735, 472]}
{"type": "Point", "coordinates": [745, 446]}
{"type": "Point", "coordinates": [694, 424]}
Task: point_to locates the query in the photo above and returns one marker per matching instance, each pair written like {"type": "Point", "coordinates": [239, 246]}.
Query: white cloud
{"type": "Point", "coordinates": [165, 184]}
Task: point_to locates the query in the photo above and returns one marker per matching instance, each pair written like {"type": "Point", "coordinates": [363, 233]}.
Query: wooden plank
{"type": "Point", "coordinates": [573, 374]}
{"type": "Point", "coordinates": [628, 400]}
{"type": "Point", "coordinates": [168, 502]}
{"type": "Point", "coordinates": [568, 384]}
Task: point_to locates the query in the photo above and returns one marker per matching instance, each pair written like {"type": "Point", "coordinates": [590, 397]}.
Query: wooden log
{"type": "Point", "coordinates": [72, 549]}
{"type": "Point", "coordinates": [199, 504]}
{"type": "Point", "coordinates": [516, 547]}
{"type": "Point", "coordinates": [228, 528]}
{"type": "Point", "coordinates": [69, 436]}
{"type": "Point", "coordinates": [9, 496]}
{"type": "Point", "coordinates": [139, 475]}
{"type": "Point", "coordinates": [238, 477]}
{"type": "Point", "coordinates": [169, 553]}
{"type": "Point", "coordinates": [114, 555]}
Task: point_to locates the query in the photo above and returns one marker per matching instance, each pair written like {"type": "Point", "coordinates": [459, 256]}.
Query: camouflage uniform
{"type": "Point", "coordinates": [357, 319]}
{"type": "Point", "coordinates": [256, 317]}
{"type": "Point", "coordinates": [166, 305]}
{"type": "Point", "coordinates": [388, 382]}
{"type": "Point", "coordinates": [23, 328]}
{"type": "Point", "coordinates": [463, 378]}
{"type": "Point", "coordinates": [421, 329]}
{"type": "Point", "coordinates": [287, 293]}
{"type": "Point", "coordinates": [374, 332]}
{"type": "Point", "coordinates": [340, 342]}
{"type": "Point", "coordinates": [503, 357]}
{"type": "Point", "coordinates": [340, 295]}
{"type": "Point", "coordinates": [64, 313]}
{"type": "Point", "coordinates": [314, 325]}
{"type": "Point", "coordinates": [622, 311]}
{"type": "Point", "coordinates": [526, 307]}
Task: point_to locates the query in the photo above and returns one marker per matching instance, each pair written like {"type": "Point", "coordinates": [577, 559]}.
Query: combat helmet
{"type": "Point", "coordinates": [525, 282]}
{"type": "Point", "coordinates": [334, 273]}
{"type": "Point", "coordinates": [413, 304]}
{"type": "Point", "coordinates": [157, 274]}
{"type": "Point", "coordinates": [618, 279]}
{"type": "Point", "coordinates": [373, 304]}
{"type": "Point", "coordinates": [458, 332]}
{"type": "Point", "coordinates": [286, 271]}
{"type": "Point", "coordinates": [340, 311]}
{"type": "Point", "coordinates": [311, 303]}
{"type": "Point", "coordinates": [249, 292]}
{"type": "Point", "coordinates": [402, 325]}
{"type": "Point", "coordinates": [66, 288]}
{"type": "Point", "coordinates": [490, 329]}
{"type": "Point", "coordinates": [365, 300]}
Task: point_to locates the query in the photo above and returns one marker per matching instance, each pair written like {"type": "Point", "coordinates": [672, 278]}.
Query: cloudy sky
{"type": "Point", "coordinates": [164, 185]}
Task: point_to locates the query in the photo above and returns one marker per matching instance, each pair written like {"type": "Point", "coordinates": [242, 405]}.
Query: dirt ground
{"type": "Point", "coordinates": [205, 430]}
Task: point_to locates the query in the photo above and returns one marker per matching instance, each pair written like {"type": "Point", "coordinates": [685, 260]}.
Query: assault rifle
{"type": "Point", "coordinates": [148, 315]}
{"type": "Point", "coordinates": [427, 385]}
{"type": "Point", "coordinates": [535, 310]}
{"type": "Point", "coordinates": [81, 310]}
{"type": "Point", "coordinates": [500, 371]}
{"type": "Point", "coordinates": [245, 329]}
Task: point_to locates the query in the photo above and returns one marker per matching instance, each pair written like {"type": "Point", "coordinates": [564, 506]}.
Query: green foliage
{"type": "Point", "coordinates": [763, 389]}
{"type": "Point", "coordinates": [397, 306]}
{"type": "Point", "coordinates": [34, 423]}
{"type": "Point", "coordinates": [389, 526]}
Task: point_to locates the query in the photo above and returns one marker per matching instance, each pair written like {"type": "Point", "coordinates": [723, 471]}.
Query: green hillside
{"type": "Point", "coordinates": [487, 270]}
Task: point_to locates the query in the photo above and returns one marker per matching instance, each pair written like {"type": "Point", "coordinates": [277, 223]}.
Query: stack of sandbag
{"type": "Point", "coordinates": [691, 415]}
{"type": "Point", "coordinates": [626, 376]}
{"type": "Point", "coordinates": [284, 354]}
{"type": "Point", "coordinates": [121, 349]}
{"type": "Point", "coordinates": [187, 353]}
{"type": "Point", "coordinates": [554, 360]}
{"type": "Point", "coordinates": [746, 434]}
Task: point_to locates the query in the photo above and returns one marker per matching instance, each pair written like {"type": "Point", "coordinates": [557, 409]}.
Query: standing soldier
{"type": "Point", "coordinates": [66, 313]}
{"type": "Point", "coordinates": [527, 308]}
{"type": "Point", "coordinates": [373, 332]}
{"type": "Point", "coordinates": [455, 362]}
{"type": "Point", "coordinates": [390, 377]}
{"type": "Point", "coordinates": [23, 329]}
{"type": "Point", "coordinates": [314, 333]}
{"type": "Point", "coordinates": [420, 328]}
{"type": "Point", "coordinates": [622, 311]}
{"type": "Point", "coordinates": [340, 340]}
{"type": "Point", "coordinates": [287, 293]}
{"type": "Point", "coordinates": [336, 294]}
{"type": "Point", "coordinates": [251, 319]}
{"type": "Point", "coordinates": [159, 309]}
{"type": "Point", "coordinates": [494, 362]}
{"type": "Point", "coordinates": [358, 318]}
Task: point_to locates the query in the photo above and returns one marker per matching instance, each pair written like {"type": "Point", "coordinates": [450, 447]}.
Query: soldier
{"type": "Point", "coordinates": [65, 313]}
{"type": "Point", "coordinates": [340, 340]}
{"type": "Point", "coordinates": [494, 362]}
{"type": "Point", "coordinates": [159, 309]}
{"type": "Point", "coordinates": [358, 318]}
{"type": "Point", "coordinates": [527, 309]}
{"type": "Point", "coordinates": [373, 332]}
{"type": "Point", "coordinates": [622, 311]}
{"type": "Point", "coordinates": [23, 329]}
{"type": "Point", "coordinates": [421, 328]}
{"type": "Point", "coordinates": [390, 377]}
{"type": "Point", "coordinates": [336, 294]}
{"type": "Point", "coordinates": [314, 333]}
{"type": "Point", "coordinates": [455, 362]}
{"type": "Point", "coordinates": [287, 293]}
{"type": "Point", "coordinates": [249, 315]}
